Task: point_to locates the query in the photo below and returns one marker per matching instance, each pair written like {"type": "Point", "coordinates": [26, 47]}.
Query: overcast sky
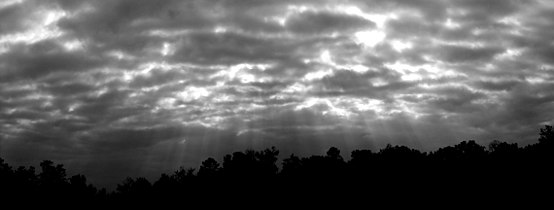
{"type": "Point", "coordinates": [139, 87]}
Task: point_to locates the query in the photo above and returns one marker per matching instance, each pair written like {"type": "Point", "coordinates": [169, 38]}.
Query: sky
{"type": "Point", "coordinates": [138, 87]}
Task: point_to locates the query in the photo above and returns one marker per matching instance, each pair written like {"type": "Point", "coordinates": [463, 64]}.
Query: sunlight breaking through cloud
{"type": "Point", "coordinates": [223, 75]}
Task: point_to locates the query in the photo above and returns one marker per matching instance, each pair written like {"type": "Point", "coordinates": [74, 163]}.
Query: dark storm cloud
{"type": "Point", "coordinates": [115, 18]}
{"type": "Point", "coordinates": [408, 27]}
{"type": "Point", "coordinates": [68, 89]}
{"type": "Point", "coordinates": [98, 106]}
{"type": "Point", "coordinates": [544, 53]}
{"type": "Point", "coordinates": [314, 23]}
{"type": "Point", "coordinates": [529, 103]}
{"type": "Point", "coordinates": [156, 78]}
{"type": "Point", "coordinates": [505, 85]}
{"type": "Point", "coordinates": [455, 100]}
{"type": "Point", "coordinates": [430, 9]}
{"type": "Point", "coordinates": [486, 13]}
{"type": "Point", "coordinates": [41, 59]}
{"type": "Point", "coordinates": [350, 83]}
{"type": "Point", "coordinates": [10, 17]}
{"type": "Point", "coordinates": [138, 87]}
{"type": "Point", "coordinates": [230, 48]}
{"type": "Point", "coordinates": [456, 54]}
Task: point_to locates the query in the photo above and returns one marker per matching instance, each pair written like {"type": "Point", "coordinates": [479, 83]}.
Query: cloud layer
{"type": "Point", "coordinates": [140, 86]}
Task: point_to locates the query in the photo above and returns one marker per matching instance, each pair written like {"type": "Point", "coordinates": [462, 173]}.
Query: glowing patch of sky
{"type": "Point", "coordinates": [369, 38]}
{"type": "Point", "coordinates": [41, 26]}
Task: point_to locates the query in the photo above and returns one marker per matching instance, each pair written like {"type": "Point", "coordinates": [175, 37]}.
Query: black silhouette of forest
{"type": "Point", "coordinates": [500, 168]}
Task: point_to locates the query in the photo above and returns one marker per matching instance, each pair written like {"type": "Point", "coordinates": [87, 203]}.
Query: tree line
{"type": "Point", "coordinates": [256, 174]}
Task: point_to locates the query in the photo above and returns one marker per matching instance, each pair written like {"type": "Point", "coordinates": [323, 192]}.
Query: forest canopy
{"type": "Point", "coordinates": [258, 172]}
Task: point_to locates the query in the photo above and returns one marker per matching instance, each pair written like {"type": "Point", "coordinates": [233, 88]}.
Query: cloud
{"type": "Point", "coordinates": [456, 54]}
{"type": "Point", "coordinates": [11, 16]}
{"type": "Point", "coordinates": [139, 87]}
{"type": "Point", "coordinates": [322, 22]}
{"type": "Point", "coordinates": [230, 48]}
{"type": "Point", "coordinates": [503, 85]}
{"type": "Point", "coordinates": [41, 59]}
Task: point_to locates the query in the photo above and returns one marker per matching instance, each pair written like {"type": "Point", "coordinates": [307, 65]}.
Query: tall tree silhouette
{"type": "Point", "coordinates": [251, 164]}
{"type": "Point", "coordinates": [138, 189]}
{"type": "Point", "coordinates": [546, 135]}
{"type": "Point", "coordinates": [52, 181]}
{"type": "Point", "coordinates": [291, 166]}
{"type": "Point", "coordinates": [52, 175]}
{"type": "Point", "coordinates": [209, 168]}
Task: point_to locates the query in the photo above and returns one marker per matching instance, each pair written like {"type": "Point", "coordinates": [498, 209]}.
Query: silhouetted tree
{"type": "Point", "coordinates": [546, 135]}
{"type": "Point", "coordinates": [503, 152]}
{"type": "Point", "coordinates": [138, 189]}
{"type": "Point", "coordinates": [498, 147]}
{"type": "Point", "coordinates": [399, 154]}
{"type": "Point", "coordinates": [52, 181]}
{"type": "Point", "coordinates": [6, 177]}
{"type": "Point", "coordinates": [26, 180]}
{"type": "Point", "coordinates": [209, 168]}
{"type": "Point", "coordinates": [166, 187]}
{"type": "Point", "coordinates": [291, 165]}
{"type": "Point", "coordinates": [335, 163]}
{"type": "Point", "coordinates": [360, 158]}
{"type": "Point", "coordinates": [334, 154]}
{"type": "Point", "coordinates": [460, 153]}
{"type": "Point", "coordinates": [5, 169]}
{"type": "Point", "coordinates": [251, 164]}
{"type": "Point", "coordinates": [79, 189]}
{"type": "Point", "coordinates": [182, 176]}
{"type": "Point", "coordinates": [51, 175]}
{"type": "Point", "coordinates": [362, 162]}
{"type": "Point", "coordinates": [470, 150]}
{"type": "Point", "coordinates": [267, 161]}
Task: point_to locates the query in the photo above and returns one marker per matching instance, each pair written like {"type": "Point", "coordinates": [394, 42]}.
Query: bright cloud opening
{"type": "Point", "coordinates": [369, 38]}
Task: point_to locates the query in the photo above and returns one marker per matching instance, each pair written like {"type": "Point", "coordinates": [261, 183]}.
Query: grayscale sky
{"type": "Point", "coordinates": [138, 87]}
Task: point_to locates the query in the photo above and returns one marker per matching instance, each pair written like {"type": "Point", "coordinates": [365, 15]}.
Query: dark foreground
{"type": "Point", "coordinates": [501, 172]}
